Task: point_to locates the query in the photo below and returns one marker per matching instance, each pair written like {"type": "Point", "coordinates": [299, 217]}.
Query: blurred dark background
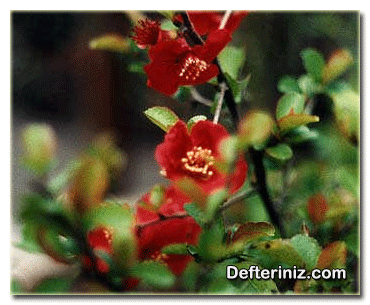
{"type": "Point", "coordinates": [57, 79]}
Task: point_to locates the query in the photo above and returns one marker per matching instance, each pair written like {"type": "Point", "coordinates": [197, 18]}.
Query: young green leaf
{"type": "Point", "coordinates": [290, 103]}
{"type": "Point", "coordinates": [313, 62]}
{"type": "Point", "coordinates": [39, 148]}
{"type": "Point", "coordinates": [308, 248]}
{"type": "Point", "coordinates": [54, 285]}
{"type": "Point", "coordinates": [289, 122]}
{"type": "Point", "coordinates": [114, 42]}
{"type": "Point", "coordinates": [281, 152]}
{"type": "Point", "coordinates": [179, 249]}
{"type": "Point", "coordinates": [253, 230]}
{"type": "Point", "coordinates": [194, 120]}
{"type": "Point", "coordinates": [255, 128]}
{"type": "Point", "coordinates": [163, 117]}
{"type": "Point", "coordinates": [288, 84]}
{"type": "Point", "coordinates": [232, 60]}
{"type": "Point", "coordinates": [154, 274]}
{"type": "Point", "coordinates": [337, 64]}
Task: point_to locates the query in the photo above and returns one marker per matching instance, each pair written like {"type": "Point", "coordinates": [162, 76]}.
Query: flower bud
{"type": "Point", "coordinates": [39, 145]}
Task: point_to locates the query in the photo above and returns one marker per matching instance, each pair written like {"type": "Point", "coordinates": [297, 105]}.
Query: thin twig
{"type": "Point", "coordinates": [223, 88]}
{"type": "Point", "coordinates": [237, 198]}
{"type": "Point", "coordinates": [224, 20]}
{"type": "Point", "coordinates": [199, 98]}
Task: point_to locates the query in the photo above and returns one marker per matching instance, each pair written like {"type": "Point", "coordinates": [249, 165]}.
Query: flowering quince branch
{"type": "Point", "coordinates": [221, 78]}
{"type": "Point", "coordinates": [219, 102]}
{"type": "Point", "coordinates": [261, 186]}
{"type": "Point", "coordinates": [199, 98]}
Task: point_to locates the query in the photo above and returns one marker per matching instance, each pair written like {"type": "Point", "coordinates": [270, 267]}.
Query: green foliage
{"type": "Point", "coordinates": [290, 122]}
{"type": "Point", "coordinates": [179, 249]}
{"type": "Point", "coordinates": [308, 248]}
{"type": "Point", "coordinates": [163, 117]}
{"type": "Point", "coordinates": [54, 286]}
{"type": "Point", "coordinates": [314, 63]}
{"type": "Point", "coordinates": [195, 119]}
{"type": "Point", "coordinates": [290, 103]}
{"type": "Point", "coordinates": [39, 145]}
{"type": "Point", "coordinates": [231, 60]}
{"type": "Point", "coordinates": [255, 129]}
{"type": "Point", "coordinates": [281, 152]}
{"type": "Point", "coordinates": [154, 274]}
{"type": "Point", "coordinates": [113, 42]}
{"type": "Point", "coordinates": [288, 84]}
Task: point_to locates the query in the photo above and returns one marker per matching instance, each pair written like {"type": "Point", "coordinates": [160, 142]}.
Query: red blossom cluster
{"type": "Point", "coordinates": [192, 154]}
{"type": "Point", "coordinates": [173, 61]}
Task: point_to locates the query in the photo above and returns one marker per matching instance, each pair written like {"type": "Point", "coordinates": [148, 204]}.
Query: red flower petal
{"type": "Point", "coordinates": [154, 237]}
{"type": "Point", "coordinates": [205, 22]}
{"type": "Point", "coordinates": [168, 154]}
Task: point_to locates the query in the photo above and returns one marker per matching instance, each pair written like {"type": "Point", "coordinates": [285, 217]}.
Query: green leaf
{"type": "Point", "coordinates": [195, 212]}
{"type": "Point", "coordinates": [255, 129]}
{"type": "Point", "coordinates": [290, 103]}
{"type": "Point", "coordinates": [39, 148]}
{"type": "Point", "coordinates": [210, 246]}
{"type": "Point", "coordinates": [214, 202]}
{"type": "Point", "coordinates": [163, 117]}
{"type": "Point", "coordinates": [301, 134]}
{"type": "Point", "coordinates": [190, 277]}
{"type": "Point", "coordinates": [274, 253]}
{"type": "Point", "coordinates": [167, 24]}
{"type": "Point", "coordinates": [194, 120]}
{"type": "Point", "coordinates": [232, 60]}
{"type": "Point", "coordinates": [113, 42]}
{"type": "Point", "coordinates": [292, 121]}
{"type": "Point", "coordinates": [337, 64]}
{"type": "Point", "coordinates": [288, 84]}
{"type": "Point", "coordinates": [253, 230]}
{"type": "Point", "coordinates": [313, 62]}
{"type": "Point", "coordinates": [156, 196]}
{"type": "Point", "coordinates": [346, 108]}
{"type": "Point", "coordinates": [29, 241]}
{"type": "Point", "coordinates": [179, 249]}
{"type": "Point", "coordinates": [308, 85]}
{"type": "Point", "coordinates": [182, 94]}
{"type": "Point", "coordinates": [308, 248]}
{"type": "Point", "coordinates": [281, 152]}
{"type": "Point", "coordinates": [154, 274]}
{"type": "Point", "coordinates": [54, 285]}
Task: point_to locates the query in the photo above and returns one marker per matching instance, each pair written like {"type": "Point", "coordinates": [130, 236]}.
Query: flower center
{"type": "Point", "coordinates": [192, 67]}
{"type": "Point", "coordinates": [198, 162]}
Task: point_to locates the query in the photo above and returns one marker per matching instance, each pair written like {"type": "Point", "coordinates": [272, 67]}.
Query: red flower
{"type": "Point", "coordinates": [204, 22]}
{"type": "Point", "coordinates": [99, 238]}
{"type": "Point", "coordinates": [148, 33]}
{"type": "Point", "coordinates": [174, 63]}
{"type": "Point", "coordinates": [153, 237]}
{"type": "Point", "coordinates": [184, 154]}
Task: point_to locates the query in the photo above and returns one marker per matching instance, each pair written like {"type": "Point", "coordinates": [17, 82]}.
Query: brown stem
{"type": "Point", "coordinates": [259, 168]}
